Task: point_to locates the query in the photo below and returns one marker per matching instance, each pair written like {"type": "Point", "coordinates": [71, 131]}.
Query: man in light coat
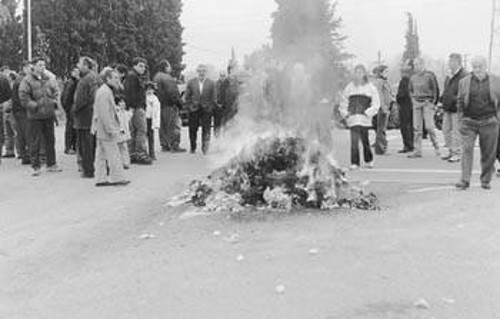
{"type": "Point", "coordinates": [106, 127]}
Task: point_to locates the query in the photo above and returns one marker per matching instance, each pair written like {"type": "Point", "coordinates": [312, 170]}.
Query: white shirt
{"type": "Point", "coordinates": [201, 83]}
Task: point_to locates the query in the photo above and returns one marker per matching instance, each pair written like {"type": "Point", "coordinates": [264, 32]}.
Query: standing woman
{"type": "Point", "coordinates": [360, 102]}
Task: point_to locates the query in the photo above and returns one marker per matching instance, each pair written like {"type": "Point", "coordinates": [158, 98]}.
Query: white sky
{"type": "Point", "coordinates": [213, 26]}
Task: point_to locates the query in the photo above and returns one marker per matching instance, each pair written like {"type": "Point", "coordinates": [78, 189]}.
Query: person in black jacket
{"type": "Point", "coordinates": [67, 100]}
{"type": "Point", "coordinates": [449, 99]}
{"type": "Point", "coordinates": [21, 116]}
{"type": "Point", "coordinates": [5, 95]}
{"type": "Point", "coordinates": [135, 99]}
{"type": "Point", "coordinates": [405, 104]}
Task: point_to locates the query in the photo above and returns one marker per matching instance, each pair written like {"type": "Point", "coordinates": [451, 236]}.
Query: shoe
{"type": "Point", "coordinates": [462, 185]}
{"type": "Point", "coordinates": [87, 175]}
{"type": "Point", "coordinates": [415, 155]}
{"type": "Point", "coordinates": [178, 150]}
{"type": "Point", "coordinates": [165, 149]}
{"type": "Point", "coordinates": [454, 159]}
{"type": "Point", "coordinates": [404, 151]}
{"type": "Point", "coordinates": [354, 167]}
{"type": "Point", "coordinates": [102, 184]}
{"type": "Point", "coordinates": [370, 165]}
{"type": "Point", "coordinates": [144, 161]}
{"type": "Point", "coordinates": [120, 183]}
{"type": "Point", "coordinates": [126, 167]}
{"type": "Point", "coordinates": [486, 186]}
{"type": "Point", "coordinates": [446, 157]}
{"type": "Point", "coordinates": [9, 156]}
{"type": "Point", "coordinates": [36, 172]}
{"type": "Point", "coordinates": [54, 169]}
{"type": "Point", "coordinates": [70, 152]}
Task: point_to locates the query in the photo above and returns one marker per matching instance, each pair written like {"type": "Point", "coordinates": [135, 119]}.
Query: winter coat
{"type": "Point", "coordinates": [359, 104]}
{"type": "Point", "coordinates": [105, 121]}
{"type": "Point", "coordinates": [17, 106]}
{"type": "Point", "coordinates": [463, 99]}
{"type": "Point", "coordinates": [5, 89]}
{"type": "Point", "coordinates": [135, 91]}
{"type": "Point", "coordinates": [196, 100]}
{"type": "Point", "coordinates": [168, 91]}
{"type": "Point", "coordinates": [68, 94]}
{"type": "Point", "coordinates": [84, 101]}
{"type": "Point", "coordinates": [38, 95]}
{"type": "Point", "coordinates": [153, 108]}
{"type": "Point", "coordinates": [450, 92]}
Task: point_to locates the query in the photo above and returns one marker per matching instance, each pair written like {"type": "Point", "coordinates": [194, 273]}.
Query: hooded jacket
{"type": "Point", "coordinates": [450, 92]}
{"type": "Point", "coordinates": [38, 95]}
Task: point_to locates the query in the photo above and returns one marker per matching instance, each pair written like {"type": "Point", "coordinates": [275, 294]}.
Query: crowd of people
{"type": "Point", "coordinates": [111, 117]}
{"type": "Point", "coordinates": [470, 102]}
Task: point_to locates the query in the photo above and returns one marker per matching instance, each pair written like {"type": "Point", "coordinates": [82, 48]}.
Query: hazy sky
{"type": "Point", "coordinates": [213, 26]}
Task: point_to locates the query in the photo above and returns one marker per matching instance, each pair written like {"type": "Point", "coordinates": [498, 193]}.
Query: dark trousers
{"type": "Point", "coordinates": [406, 126]}
{"type": "Point", "coordinates": [487, 131]}
{"type": "Point", "coordinates": [218, 121]}
{"type": "Point", "coordinates": [151, 137]}
{"type": "Point", "coordinates": [381, 138]}
{"type": "Point", "coordinates": [498, 147]}
{"type": "Point", "coordinates": [69, 134]}
{"type": "Point", "coordinates": [196, 119]}
{"type": "Point", "coordinates": [170, 128]}
{"type": "Point", "coordinates": [23, 136]}
{"type": "Point", "coordinates": [85, 143]}
{"type": "Point", "coordinates": [42, 131]}
{"type": "Point", "coordinates": [360, 134]}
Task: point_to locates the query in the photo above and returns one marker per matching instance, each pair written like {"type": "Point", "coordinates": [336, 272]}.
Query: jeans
{"type": "Point", "coordinates": [42, 131]}
{"type": "Point", "coordinates": [138, 145]}
{"type": "Point", "coordinates": [151, 138]}
{"type": "Point", "coordinates": [23, 136]}
{"type": "Point", "coordinates": [10, 133]}
{"type": "Point", "coordinates": [170, 128]}
{"type": "Point", "coordinates": [381, 138]}
{"type": "Point", "coordinates": [360, 133]}
{"type": "Point", "coordinates": [70, 135]}
{"type": "Point", "coordinates": [124, 154]}
{"type": "Point", "coordinates": [423, 113]}
{"type": "Point", "coordinates": [86, 151]}
{"type": "Point", "coordinates": [196, 119]}
{"type": "Point", "coordinates": [487, 131]}
{"type": "Point", "coordinates": [108, 156]}
{"type": "Point", "coordinates": [451, 133]}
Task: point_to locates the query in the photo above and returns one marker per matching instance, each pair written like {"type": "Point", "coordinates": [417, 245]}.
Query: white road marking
{"type": "Point", "coordinates": [414, 171]}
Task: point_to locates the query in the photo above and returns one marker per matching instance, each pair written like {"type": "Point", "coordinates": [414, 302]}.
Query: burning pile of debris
{"type": "Point", "coordinates": [279, 173]}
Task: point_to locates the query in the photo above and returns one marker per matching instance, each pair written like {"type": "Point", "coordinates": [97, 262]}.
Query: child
{"type": "Point", "coordinates": [152, 117]}
{"type": "Point", "coordinates": [124, 118]}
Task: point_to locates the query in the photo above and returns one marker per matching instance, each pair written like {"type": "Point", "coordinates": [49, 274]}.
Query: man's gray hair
{"type": "Point", "coordinates": [479, 59]}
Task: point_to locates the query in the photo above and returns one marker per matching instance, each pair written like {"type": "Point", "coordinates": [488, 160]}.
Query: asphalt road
{"type": "Point", "coordinates": [70, 250]}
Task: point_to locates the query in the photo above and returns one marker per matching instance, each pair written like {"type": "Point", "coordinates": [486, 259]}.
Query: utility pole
{"type": "Point", "coordinates": [28, 29]}
{"type": "Point", "coordinates": [494, 50]}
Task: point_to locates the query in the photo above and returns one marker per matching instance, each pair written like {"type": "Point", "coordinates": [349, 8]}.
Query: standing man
{"type": "Point", "coordinates": [106, 127]}
{"type": "Point", "coordinates": [9, 121]}
{"type": "Point", "coordinates": [135, 99]}
{"type": "Point", "coordinates": [5, 95]}
{"type": "Point", "coordinates": [450, 121]}
{"type": "Point", "coordinates": [171, 103]}
{"type": "Point", "coordinates": [478, 115]}
{"type": "Point", "coordinates": [403, 98]}
{"type": "Point", "coordinates": [219, 110]}
{"type": "Point", "coordinates": [82, 114]}
{"type": "Point", "coordinates": [424, 91]}
{"type": "Point", "coordinates": [67, 101]}
{"type": "Point", "coordinates": [201, 100]}
{"type": "Point", "coordinates": [385, 94]}
{"type": "Point", "coordinates": [21, 116]}
{"type": "Point", "coordinates": [38, 95]}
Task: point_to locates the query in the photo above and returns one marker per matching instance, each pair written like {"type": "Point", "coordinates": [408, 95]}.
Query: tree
{"type": "Point", "coordinates": [412, 46]}
{"type": "Point", "coordinates": [11, 34]}
{"type": "Point", "coordinates": [111, 31]}
{"type": "Point", "coordinates": [309, 32]}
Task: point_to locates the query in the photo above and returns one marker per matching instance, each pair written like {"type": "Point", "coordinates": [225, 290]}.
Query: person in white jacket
{"type": "Point", "coordinates": [360, 102]}
{"type": "Point", "coordinates": [153, 115]}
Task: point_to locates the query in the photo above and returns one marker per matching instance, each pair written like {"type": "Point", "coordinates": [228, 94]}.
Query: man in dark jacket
{"type": "Point", "coordinates": [82, 113]}
{"type": "Point", "coordinates": [67, 100]}
{"type": "Point", "coordinates": [201, 100]}
{"type": "Point", "coordinates": [38, 94]}
{"type": "Point", "coordinates": [5, 95]}
{"type": "Point", "coordinates": [135, 98]}
{"type": "Point", "coordinates": [170, 99]}
{"type": "Point", "coordinates": [449, 99]}
{"type": "Point", "coordinates": [424, 91]}
{"type": "Point", "coordinates": [21, 116]}
{"type": "Point", "coordinates": [227, 99]}
{"type": "Point", "coordinates": [403, 98]}
{"type": "Point", "coordinates": [478, 109]}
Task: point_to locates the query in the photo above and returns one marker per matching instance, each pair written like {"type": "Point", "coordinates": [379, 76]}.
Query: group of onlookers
{"type": "Point", "coordinates": [111, 117]}
{"type": "Point", "coordinates": [470, 104]}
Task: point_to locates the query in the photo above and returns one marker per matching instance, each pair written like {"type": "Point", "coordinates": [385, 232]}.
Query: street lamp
{"type": "Point", "coordinates": [28, 27]}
